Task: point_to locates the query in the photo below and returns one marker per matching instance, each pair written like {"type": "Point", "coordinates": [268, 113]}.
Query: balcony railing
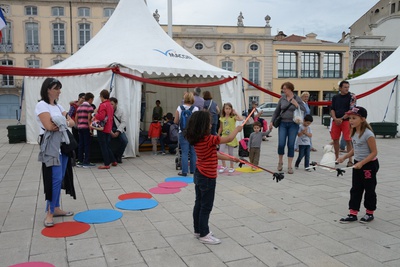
{"type": "Point", "coordinates": [59, 48]}
{"type": "Point", "coordinates": [32, 48]}
{"type": "Point", "coordinates": [6, 48]}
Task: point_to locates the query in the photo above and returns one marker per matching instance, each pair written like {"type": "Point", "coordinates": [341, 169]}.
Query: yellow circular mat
{"type": "Point", "coordinates": [247, 169]}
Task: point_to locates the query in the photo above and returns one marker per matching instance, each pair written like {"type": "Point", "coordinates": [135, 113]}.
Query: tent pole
{"type": "Point", "coordinates": [170, 18]}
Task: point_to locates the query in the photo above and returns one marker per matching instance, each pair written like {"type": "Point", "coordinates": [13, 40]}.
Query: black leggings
{"type": "Point", "coordinates": [364, 179]}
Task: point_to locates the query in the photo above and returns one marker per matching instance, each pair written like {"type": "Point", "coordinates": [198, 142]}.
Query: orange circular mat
{"type": "Point", "coordinates": [134, 195]}
{"type": "Point", "coordinates": [66, 229]}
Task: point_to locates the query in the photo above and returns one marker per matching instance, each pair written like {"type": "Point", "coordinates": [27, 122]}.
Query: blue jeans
{"type": "Point", "coordinates": [187, 150]}
{"type": "Point", "coordinates": [205, 193]}
{"type": "Point", "coordinates": [214, 129]}
{"type": "Point", "coordinates": [105, 147]}
{"type": "Point", "coordinates": [58, 173]}
{"type": "Point", "coordinates": [304, 151]}
{"type": "Point", "coordinates": [287, 131]}
{"type": "Point", "coordinates": [84, 146]}
{"type": "Point", "coordinates": [123, 142]}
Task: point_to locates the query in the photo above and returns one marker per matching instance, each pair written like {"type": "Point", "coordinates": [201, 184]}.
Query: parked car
{"type": "Point", "coordinates": [267, 108]}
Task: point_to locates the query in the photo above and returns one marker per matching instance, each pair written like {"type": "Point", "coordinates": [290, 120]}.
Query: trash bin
{"type": "Point", "coordinates": [326, 120]}
{"type": "Point", "coordinates": [384, 128]}
{"type": "Point", "coordinates": [16, 133]}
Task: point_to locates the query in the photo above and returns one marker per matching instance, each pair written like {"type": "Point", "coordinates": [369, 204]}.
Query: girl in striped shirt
{"type": "Point", "coordinates": [198, 134]}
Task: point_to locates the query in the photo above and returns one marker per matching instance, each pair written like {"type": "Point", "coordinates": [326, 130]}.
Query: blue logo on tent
{"type": "Point", "coordinates": [172, 53]}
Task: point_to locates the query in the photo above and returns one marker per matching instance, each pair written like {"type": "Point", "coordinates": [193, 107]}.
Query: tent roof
{"type": "Point", "coordinates": [387, 68]}
{"type": "Point", "coordinates": [133, 38]}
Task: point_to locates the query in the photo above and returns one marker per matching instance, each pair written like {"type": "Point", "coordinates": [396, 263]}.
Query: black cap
{"type": "Point", "coordinates": [359, 111]}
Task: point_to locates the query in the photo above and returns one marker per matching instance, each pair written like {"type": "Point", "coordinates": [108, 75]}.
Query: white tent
{"type": "Point", "coordinates": [134, 41]}
{"type": "Point", "coordinates": [377, 102]}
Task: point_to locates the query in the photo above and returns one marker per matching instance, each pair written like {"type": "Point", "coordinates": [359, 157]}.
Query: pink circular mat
{"type": "Point", "coordinates": [161, 190]}
{"type": "Point", "coordinates": [172, 184]}
{"type": "Point", "coordinates": [33, 264]}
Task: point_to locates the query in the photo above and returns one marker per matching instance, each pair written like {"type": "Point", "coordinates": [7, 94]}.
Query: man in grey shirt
{"type": "Point", "coordinates": [198, 100]}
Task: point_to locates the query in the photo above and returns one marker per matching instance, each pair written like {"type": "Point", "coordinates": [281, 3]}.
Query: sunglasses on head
{"type": "Point", "coordinates": [55, 82]}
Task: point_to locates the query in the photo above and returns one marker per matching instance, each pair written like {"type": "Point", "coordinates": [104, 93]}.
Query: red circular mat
{"type": "Point", "coordinates": [33, 264]}
{"type": "Point", "coordinates": [66, 229]}
{"type": "Point", "coordinates": [160, 190]}
{"type": "Point", "coordinates": [172, 184]}
{"type": "Point", "coordinates": [134, 195]}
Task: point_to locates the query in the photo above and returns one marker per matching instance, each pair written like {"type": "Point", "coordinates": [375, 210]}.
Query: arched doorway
{"type": "Point", "coordinates": [9, 106]}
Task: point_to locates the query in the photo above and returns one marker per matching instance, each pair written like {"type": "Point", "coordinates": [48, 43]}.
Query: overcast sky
{"type": "Point", "coordinates": [327, 18]}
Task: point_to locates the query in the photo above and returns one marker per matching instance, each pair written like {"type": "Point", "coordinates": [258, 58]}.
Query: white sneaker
{"type": "Point", "coordinates": [222, 169]}
{"type": "Point", "coordinates": [253, 169]}
{"type": "Point", "coordinates": [231, 170]}
{"type": "Point", "coordinates": [209, 239]}
{"type": "Point", "coordinates": [197, 235]}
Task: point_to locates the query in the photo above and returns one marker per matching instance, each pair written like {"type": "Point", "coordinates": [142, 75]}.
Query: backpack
{"type": "Point", "coordinates": [173, 132]}
{"type": "Point", "coordinates": [185, 115]}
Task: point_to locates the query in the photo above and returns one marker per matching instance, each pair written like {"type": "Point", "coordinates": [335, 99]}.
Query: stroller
{"type": "Point", "coordinates": [178, 158]}
{"type": "Point", "coordinates": [243, 148]}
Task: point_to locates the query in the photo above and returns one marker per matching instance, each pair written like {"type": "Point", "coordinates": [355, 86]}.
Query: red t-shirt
{"type": "Point", "coordinates": [206, 152]}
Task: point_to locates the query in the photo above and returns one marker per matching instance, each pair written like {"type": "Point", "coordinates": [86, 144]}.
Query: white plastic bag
{"type": "Point", "coordinates": [298, 115]}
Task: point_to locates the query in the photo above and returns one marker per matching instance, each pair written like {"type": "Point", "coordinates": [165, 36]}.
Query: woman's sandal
{"type": "Point", "coordinates": [350, 164]}
{"type": "Point", "coordinates": [66, 214]}
{"type": "Point", "coordinates": [290, 171]}
{"type": "Point", "coordinates": [48, 224]}
{"type": "Point", "coordinates": [280, 166]}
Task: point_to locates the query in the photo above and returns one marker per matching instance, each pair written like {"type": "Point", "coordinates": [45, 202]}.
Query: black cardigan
{"type": "Point", "coordinates": [67, 182]}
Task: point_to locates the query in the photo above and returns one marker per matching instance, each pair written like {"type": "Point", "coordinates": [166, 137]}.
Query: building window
{"type": "Point", "coordinates": [392, 8]}
{"type": "Point", "coordinates": [32, 37]}
{"type": "Point", "coordinates": [287, 65]}
{"type": "Point", "coordinates": [84, 12]}
{"type": "Point", "coordinates": [33, 63]}
{"type": "Point", "coordinates": [309, 65]}
{"type": "Point", "coordinates": [56, 61]}
{"type": "Point", "coordinates": [31, 11]}
{"type": "Point", "coordinates": [253, 47]}
{"type": "Point", "coordinates": [84, 34]}
{"type": "Point", "coordinates": [254, 70]}
{"type": "Point", "coordinates": [332, 65]}
{"type": "Point", "coordinates": [7, 80]}
{"type": "Point", "coordinates": [108, 12]}
{"type": "Point", "coordinates": [366, 61]}
{"type": "Point", "coordinates": [6, 37]}
{"type": "Point", "coordinates": [57, 11]}
{"type": "Point", "coordinates": [58, 37]}
{"type": "Point", "coordinates": [227, 47]}
{"type": "Point", "coordinates": [198, 46]}
{"type": "Point", "coordinates": [227, 65]}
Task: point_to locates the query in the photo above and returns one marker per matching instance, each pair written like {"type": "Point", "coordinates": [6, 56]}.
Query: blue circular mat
{"type": "Point", "coordinates": [137, 204]}
{"type": "Point", "coordinates": [98, 216]}
{"type": "Point", "coordinates": [180, 179]}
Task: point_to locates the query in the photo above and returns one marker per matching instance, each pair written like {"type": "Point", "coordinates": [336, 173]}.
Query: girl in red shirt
{"type": "Point", "coordinates": [198, 134]}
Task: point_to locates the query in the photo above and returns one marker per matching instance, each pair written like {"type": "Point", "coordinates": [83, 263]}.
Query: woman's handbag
{"type": "Point", "coordinates": [73, 144]}
{"type": "Point", "coordinates": [277, 121]}
{"type": "Point", "coordinates": [278, 118]}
